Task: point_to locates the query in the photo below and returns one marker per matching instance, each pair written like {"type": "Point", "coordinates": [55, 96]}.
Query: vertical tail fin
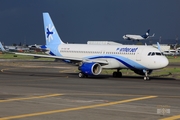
{"type": "Point", "coordinates": [1, 47]}
{"type": "Point", "coordinates": [159, 47]}
{"type": "Point", "coordinates": [51, 33]}
{"type": "Point", "coordinates": [146, 35]}
{"type": "Point", "coordinates": [147, 32]}
{"type": "Point", "coordinates": [175, 46]}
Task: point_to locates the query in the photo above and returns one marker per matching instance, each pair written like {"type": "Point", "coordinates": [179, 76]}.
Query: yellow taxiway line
{"type": "Point", "coordinates": [28, 98]}
{"type": "Point", "coordinates": [172, 118]}
{"type": "Point", "coordinates": [76, 108]}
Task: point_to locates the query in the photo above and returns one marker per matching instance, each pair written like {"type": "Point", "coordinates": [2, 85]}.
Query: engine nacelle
{"type": "Point", "coordinates": [91, 68]}
{"type": "Point", "coordinates": [140, 72]}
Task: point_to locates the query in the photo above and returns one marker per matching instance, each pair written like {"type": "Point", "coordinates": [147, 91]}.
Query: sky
{"type": "Point", "coordinates": [79, 21]}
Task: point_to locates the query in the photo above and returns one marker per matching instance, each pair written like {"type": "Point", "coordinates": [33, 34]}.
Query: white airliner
{"type": "Point", "coordinates": [91, 58]}
{"type": "Point", "coordinates": [13, 48]}
{"type": "Point", "coordinates": [138, 37]}
{"type": "Point", "coordinates": [170, 52]}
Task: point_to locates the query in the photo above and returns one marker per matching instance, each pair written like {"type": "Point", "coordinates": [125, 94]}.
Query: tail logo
{"type": "Point", "coordinates": [49, 33]}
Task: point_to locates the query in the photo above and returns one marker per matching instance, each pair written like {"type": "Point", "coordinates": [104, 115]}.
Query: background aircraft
{"type": "Point", "coordinates": [138, 37]}
{"type": "Point", "coordinates": [91, 59]}
{"type": "Point", "coordinates": [38, 48]}
{"type": "Point", "coordinates": [170, 52]}
{"type": "Point", "coordinates": [13, 48]}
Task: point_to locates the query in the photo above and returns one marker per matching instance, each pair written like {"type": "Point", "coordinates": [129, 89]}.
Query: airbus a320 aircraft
{"type": "Point", "coordinates": [138, 37]}
{"type": "Point", "coordinates": [91, 59]}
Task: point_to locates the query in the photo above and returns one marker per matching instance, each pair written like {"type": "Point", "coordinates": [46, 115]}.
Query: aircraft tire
{"type": "Point", "coordinates": [119, 74]}
{"type": "Point", "coordinates": [81, 75]}
{"type": "Point", "coordinates": [115, 74]}
{"type": "Point", "coordinates": [146, 78]}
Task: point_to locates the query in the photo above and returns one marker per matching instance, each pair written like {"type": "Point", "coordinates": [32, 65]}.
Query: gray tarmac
{"type": "Point", "coordinates": [38, 90]}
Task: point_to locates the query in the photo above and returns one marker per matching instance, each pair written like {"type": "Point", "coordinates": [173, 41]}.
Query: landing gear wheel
{"type": "Point", "coordinates": [86, 76]}
{"type": "Point", "coordinates": [114, 74]}
{"type": "Point", "coordinates": [81, 75]}
{"type": "Point", "coordinates": [117, 74]}
{"type": "Point", "coordinates": [146, 78]}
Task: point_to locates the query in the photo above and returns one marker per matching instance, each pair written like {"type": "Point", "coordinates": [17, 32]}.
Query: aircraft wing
{"type": "Point", "coordinates": [66, 58]}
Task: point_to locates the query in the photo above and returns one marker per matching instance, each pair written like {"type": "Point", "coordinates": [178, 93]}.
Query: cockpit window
{"type": "Point", "coordinates": [157, 53]}
{"type": "Point", "coordinates": [149, 53]}
{"type": "Point", "coordinates": [153, 54]}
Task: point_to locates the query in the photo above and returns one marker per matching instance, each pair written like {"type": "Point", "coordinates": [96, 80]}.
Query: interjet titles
{"type": "Point", "coordinates": [126, 49]}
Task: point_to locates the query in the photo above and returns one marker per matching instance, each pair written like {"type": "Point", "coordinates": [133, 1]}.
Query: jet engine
{"type": "Point", "coordinates": [90, 68]}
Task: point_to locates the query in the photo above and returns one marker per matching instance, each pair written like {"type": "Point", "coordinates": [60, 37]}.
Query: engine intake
{"type": "Point", "coordinates": [91, 68]}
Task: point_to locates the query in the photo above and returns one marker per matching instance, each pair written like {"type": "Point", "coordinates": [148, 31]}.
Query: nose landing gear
{"type": "Point", "coordinates": [146, 77]}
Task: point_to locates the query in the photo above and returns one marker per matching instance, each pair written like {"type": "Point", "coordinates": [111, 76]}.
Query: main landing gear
{"type": "Point", "coordinates": [82, 75]}
{"type": "Point", "coordinates": [117, 74]}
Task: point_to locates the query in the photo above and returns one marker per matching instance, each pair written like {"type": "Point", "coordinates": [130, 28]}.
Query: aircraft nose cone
{"type": "Point", "coordinates": [164, 62]}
